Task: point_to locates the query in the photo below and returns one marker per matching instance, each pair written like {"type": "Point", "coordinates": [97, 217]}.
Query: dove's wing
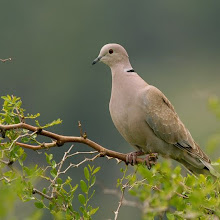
{"type": "Point", "coordinates": [166, 124]}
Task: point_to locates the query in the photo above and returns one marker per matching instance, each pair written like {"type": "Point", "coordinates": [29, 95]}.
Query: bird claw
{"type": "Point", "coordinates": [151, 160]}
{"type": "Point", "coordinates": [131, 158]}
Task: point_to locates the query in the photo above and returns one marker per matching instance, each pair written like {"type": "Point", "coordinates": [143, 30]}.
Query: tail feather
{"type": "Point", "coordinates": [207, 170]}
{"type": "Point", "coordinates": [211, 169]}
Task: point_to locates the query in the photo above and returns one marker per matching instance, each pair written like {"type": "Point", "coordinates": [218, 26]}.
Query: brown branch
{"type": "Point", "coordinates": [60, 140]}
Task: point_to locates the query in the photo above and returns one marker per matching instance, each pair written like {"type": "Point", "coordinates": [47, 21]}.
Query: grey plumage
{"type": "Point", "coordinates": [146, 118]}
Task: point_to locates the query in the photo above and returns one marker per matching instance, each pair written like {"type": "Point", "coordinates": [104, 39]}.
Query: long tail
{"type": "Point", "coordinates": [207, 170]}
{"type": "Point", "coordinates": [211, 169]}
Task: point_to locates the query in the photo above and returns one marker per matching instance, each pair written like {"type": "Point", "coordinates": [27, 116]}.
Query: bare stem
{"type": "Point", "coordinates": [59, 140]}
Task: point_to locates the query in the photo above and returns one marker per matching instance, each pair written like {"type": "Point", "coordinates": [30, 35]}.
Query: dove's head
{"type": "Point", "coordinates": [112, 55]}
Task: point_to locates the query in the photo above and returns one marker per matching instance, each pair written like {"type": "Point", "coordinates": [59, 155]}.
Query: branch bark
{"type": "Point", "coordinates": [60, 140]}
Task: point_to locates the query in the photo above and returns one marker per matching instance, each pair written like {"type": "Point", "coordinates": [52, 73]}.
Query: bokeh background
{"type": "Point", "coordinates": [174, 45]}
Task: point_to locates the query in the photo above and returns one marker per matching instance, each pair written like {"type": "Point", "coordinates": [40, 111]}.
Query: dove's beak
{"type": "Point", "coordinates": [97, 60]}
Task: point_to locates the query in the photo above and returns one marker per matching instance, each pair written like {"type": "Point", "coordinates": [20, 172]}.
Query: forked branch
{"type": "Point", "coordinates": [60, 140]}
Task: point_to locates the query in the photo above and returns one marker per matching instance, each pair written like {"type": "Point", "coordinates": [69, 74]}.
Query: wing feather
{"type": "Point", "coordinates": [164, 121]}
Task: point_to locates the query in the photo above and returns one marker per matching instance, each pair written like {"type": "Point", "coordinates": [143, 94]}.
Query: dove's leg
{"type": "Point", "coordinates": [131, 158]}
{"type": "Point", "coordinates": [150, 159]}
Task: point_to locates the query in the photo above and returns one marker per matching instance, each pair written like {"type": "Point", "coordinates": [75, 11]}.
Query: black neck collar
{"type": "Point", "coordinates": [130, 71]}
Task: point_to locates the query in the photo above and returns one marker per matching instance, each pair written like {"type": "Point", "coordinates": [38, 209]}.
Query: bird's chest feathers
{"type": "Point", "coordinates": [123, 110]}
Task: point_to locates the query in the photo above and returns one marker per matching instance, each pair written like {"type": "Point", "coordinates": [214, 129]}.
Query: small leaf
{"type": "Point", "coordinates": [83, 186]}
{"type": "Point", "coordinates": [51, 206]}
{"type": "Point", "coordinates": [90, 168]}
{"type": "Point", "coordinates": [74, 189]}
{"type": "Point", "coordinates": [93, 180]}
{"type": "Point", "coordinates": [37, 123]}
{"type": "Point", "coordinates": [82, 209]}
{"type": "Point", "coordinates": [32, 116]}
{"type": "Point", "coordinates": [53, 172]}
{"type": "Point", "coordinates": [54, 164]}
{"type": "Point", "coordinates": [20, 162]}
{"type": "Point", "coordinates": [39, 205]}
{"type": "Point", "coordinates": [86, 173]}
{"type": "Point", "coordinates": [93, 211]}
{"type": "Point", "coordinates": [55, 122]}
{"type": "Point", "coordinates": [59, 181]}
{"type": "Point", "coordinates": [49, 158]}
{"type": "Point", "coordinates": [96, 170]}
{"type": "Point", "coordinates": [82, 199]}
{"type": "Point", "coordinates": [170, 216]}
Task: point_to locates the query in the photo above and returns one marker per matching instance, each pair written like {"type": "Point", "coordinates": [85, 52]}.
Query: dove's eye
{"type": "Point", "coordinates": [110, 51]}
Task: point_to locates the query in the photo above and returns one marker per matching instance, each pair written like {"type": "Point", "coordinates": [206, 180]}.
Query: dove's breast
{"type": "Point", "coordinates": [126, 109]}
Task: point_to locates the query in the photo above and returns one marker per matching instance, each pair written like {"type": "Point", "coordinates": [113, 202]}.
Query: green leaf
{"type": "Point", "coordinates": [82, 199]}
{"type": "Point", "coordinates": [49, 158]}
{"type": "Point", "coordinates": [59, 181]}
{"type": "Point", "coordinates": [91, 168]}
{"type": "Point", "coordinates": [37, 123]}
{"type": "Point", "coordinates": [170, 216]}
{"type": "Point", "coordinates": [96, 170]}
{"type": "Point", "coordinates": [93, 211]}
{"type": "Point", "coordinates": [20, 162]}
{"type": "Point", "coordinates": [82, 210]}
{"type": "Point", "coordinates": [39, 205]}
{"type": "Point", "coordinates": [32, 116]}
{"type": "Point", "coordinates": [74, 189]}
{"type": "Point", "coordinates": [83, 186]}
{"type": "Point", "coordinates": [93, 180]}
{"type": "Point", "coordinates": [53, 164]}
{"type": "Point", "coordinates": [55, 122]}
{"type": "Point", "coordinates": [28, 171]}
{"type": "Point", "coordinates": [86, 173]}
{"type": "Point", "coordinates": [51, 206]}
{"type": "Point", "coordinates": [53, 172]}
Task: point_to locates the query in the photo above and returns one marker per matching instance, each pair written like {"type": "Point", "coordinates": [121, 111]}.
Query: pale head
{"type": "Point", "coordinates": [112, 55]}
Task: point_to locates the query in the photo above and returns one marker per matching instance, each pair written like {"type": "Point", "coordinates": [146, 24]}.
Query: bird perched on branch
{"type": "Point", "coordinates": [146, 119]}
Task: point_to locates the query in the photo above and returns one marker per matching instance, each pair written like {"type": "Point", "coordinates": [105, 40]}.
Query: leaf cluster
{"type": "Point", "coordinates": [163, 191]}
{"type": "Point", "coordinates": [20, 180]}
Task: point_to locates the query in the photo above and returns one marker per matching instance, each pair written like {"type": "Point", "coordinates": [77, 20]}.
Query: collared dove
{"type": "Point", "coordinates": [146, 118]}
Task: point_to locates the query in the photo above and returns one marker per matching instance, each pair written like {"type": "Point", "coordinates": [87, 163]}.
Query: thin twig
{"type": "Point", "coordinates": [81, 152]}
{"type": "Point", "coordinates": [80, 163]}
{"type": "Point", "coordinates": [4, 60]}
{"type": "Point", "coordinates": [120, 202]}
{"type": "Point", "coordinates": [20, 136]}
{"type": "Point", "coordinates": [5, 162]}
{"type": "Point", "coordinates": [59, 168]}
{"type": "Point", "coordinates": [42, 194]}
{"type": "Point", "coordinates": [126, 202]}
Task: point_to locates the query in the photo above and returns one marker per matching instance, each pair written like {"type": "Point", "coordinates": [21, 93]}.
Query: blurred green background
{"type": "Point", "coordinates": [174, 45]}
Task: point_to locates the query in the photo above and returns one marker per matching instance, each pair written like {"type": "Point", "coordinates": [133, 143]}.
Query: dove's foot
{"type": "Point", "coordinates": [131, 158]}
{"type": "Point", "coordinates": [151, 159]}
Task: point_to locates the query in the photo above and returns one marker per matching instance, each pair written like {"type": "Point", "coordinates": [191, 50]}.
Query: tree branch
{"type": "Point", "coordinates": [60, 140]}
